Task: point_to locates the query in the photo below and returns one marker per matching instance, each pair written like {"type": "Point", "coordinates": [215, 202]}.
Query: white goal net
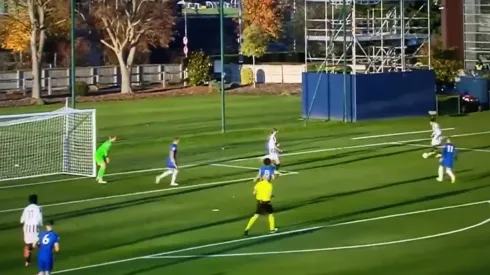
{"type": "Point", "coordinates": [42, 144]}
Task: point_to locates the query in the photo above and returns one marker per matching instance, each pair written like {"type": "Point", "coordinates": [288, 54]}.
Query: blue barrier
{"type": "Point", "coordinates": [475, 86]}
{"type": "Point", "coordinates": [368, 96]}
{"type": "Point", "coordinates": [323, 96]}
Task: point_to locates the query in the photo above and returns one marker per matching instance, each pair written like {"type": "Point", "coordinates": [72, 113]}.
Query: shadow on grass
{"type": "Point", "coordinates": [120, 205]}
{"type": "Point", "coordinates": [236, 173]}
{"type": "Point", "coordinates": [344, 217]}
{"type": "Point", "coordinates": [244, 244]}
{"type": "Point", "coordinates": [338, 218]}
{"type": "Point", "coordinates": [349, 154]}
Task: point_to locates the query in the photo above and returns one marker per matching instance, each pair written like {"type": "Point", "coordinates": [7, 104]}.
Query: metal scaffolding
{"type": "Point", "coordinates": [476, 32]}
{"type": "Point", "coordinates": [369, 36]}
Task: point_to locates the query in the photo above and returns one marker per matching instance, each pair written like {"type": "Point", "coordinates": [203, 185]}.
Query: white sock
{"type": "Point", "coordinates": [166, 173]}
{"type": "Point", "coordinates": [174, 176]}
{"type": "Point", "coordinates": [450, 173]}
{"type": "Point", "coordinates": [441, 172]}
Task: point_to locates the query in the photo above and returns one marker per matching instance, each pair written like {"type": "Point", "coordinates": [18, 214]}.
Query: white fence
{"type": "Point", "coordinates": [273, 73]}
{"type": "Point", "coordinates": [53, 79]}
{"type": "Point", "coordinates": [107, 76]}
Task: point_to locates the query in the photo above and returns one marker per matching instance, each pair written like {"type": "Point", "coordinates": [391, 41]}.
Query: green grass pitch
{"type": "Point", "coordinates": [346, 205]}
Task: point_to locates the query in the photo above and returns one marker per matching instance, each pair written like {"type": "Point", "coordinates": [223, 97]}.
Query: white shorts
{"type": "Point", "coordinates": [31, 233]}
{"type": "Point", "coordinates": [436, 141]}
{"type": "Point", "coordinates": [30, 238]}
{"type": "Point", "coordinates": [273, 155]}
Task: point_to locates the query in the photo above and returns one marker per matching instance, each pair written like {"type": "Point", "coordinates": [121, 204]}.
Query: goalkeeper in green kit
{"type": "Point", "coordinates": [102, 158]}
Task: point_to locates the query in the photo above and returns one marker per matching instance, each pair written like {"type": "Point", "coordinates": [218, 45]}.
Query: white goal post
{"type": "Point", "coordinates": [50, 143]}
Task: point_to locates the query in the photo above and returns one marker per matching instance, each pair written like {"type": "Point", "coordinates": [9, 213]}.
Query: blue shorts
{"type": "Point", "coordinates": [447, 163]}
{"type": "Point", "coordinates": [45, 264]}
{"type": "Point", "coordinates": [170, 165]}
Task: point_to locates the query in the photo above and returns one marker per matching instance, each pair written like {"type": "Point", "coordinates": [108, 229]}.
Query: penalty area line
{"type": "Point", "coordinates": [283, 172]}
{"type": "Point", "coordinates": [270, 236]}
{"type": "Point", "coordinates": [400, 134]}
{"type": "Point", "coordinates": [388, 143]}
{"type": "Point", "coordinates": [216, 183]}
{"type": "Point", "coordinates": [307, 152]}
{"type": "Point", "coordinates": [93, 179]}
{"type": "Point", "coordinates": [458, 148]}
{"type": "Point", "coordinates": [360, 246]}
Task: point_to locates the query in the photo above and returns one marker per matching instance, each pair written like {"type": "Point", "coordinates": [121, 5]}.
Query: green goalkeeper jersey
{"type": "Point", "coordinates": [103, 150]}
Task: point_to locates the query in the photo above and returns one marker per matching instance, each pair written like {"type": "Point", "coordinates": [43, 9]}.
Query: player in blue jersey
{"type": "Point", "coordinates": [447, 161]}
{"type": "Point", "coordinates": [171, 164]}
{"type": "Point", "coordinates": [48, 244]}
{"type": "Point", "coordinates": [266, 172]}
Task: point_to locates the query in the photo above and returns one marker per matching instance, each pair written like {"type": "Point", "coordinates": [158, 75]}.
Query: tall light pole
{"type": "Point", "coordinates": [222, 61]}
{"type": "Point", "coordinates": [72, 55]}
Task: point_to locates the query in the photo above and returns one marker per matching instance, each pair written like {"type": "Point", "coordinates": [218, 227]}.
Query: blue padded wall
{"type": "Point", "coordinates": [394, 94]}
{"type": "Point", "coordinates": [328, 101]}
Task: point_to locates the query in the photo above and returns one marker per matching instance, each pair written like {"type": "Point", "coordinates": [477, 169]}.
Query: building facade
{"type": "Point", "coordinates": [476, 31]}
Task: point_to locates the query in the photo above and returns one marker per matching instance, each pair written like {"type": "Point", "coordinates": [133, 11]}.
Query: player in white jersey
{"type": "Point", "coordinates": [436, 138]}
{"type": "Point", "coordinates": [273, 150]}
{"type": "Point", "coordinates": [32, 220]}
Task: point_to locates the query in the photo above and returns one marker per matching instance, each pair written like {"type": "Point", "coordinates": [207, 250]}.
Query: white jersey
{"type": "Point", "coordinates": [272, 144]}
{"type": "Point", "coordinates": [32, 220]}
{"type": "Point", "coordinates": [436, 130]}
{"type": "Point", "coordinates": [436, 134]}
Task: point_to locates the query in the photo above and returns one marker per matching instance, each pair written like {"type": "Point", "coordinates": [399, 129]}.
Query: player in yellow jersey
{"type": "Point", "coordinates": [263, 195]}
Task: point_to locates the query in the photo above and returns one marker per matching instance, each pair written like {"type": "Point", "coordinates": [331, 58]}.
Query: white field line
{"type": "Point", "coordinates": [457, 148]}
{"type": "Point", "coordinates": [325, 248]}
{"type": "Point", "coordinates": [107, 175]}
{"type": "Point", "coordinates": [400, 134]}
{"type": "Point", "coordinates": [283, 172]}
{"type": "Point", "coordinates": [269, 236]}
{"type": "Point", "coordinates": [137, 193]}
{"type": "Point", "coordinates": [246, 159]}
{"type": "Point", "coordinates": [401, 142]}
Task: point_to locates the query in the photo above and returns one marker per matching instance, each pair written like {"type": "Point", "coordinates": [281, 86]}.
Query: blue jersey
{"type": "Point", "coordinates": [47, 240]}
{"type": "Point", "coordinates": [173, 152]}
{"type": "Point", "coordinates": [266, 172]}
{"type": "Point", "coordinates": [448, 155]}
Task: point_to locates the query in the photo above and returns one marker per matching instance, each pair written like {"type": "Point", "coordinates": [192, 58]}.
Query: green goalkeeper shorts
{"type": "Point", "coordinates": [99, 160]}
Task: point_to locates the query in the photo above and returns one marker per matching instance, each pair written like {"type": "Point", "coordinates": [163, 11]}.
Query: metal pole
{"type": "Point", "coordinates": [402, 30]}
{"type": "Point", "coordinates": [72, 51]}
{"type": "Point", "coordinates": [306, 34]}
{"type": "Point", "coordinates": [294, 25]}
{"type": "Point", "coordinates": [240, 32]}
{"type": "Point", "coordinates": [344, 22]}
{"type": "Point", "coordinates": [222, 56]}
{"type": "Point", "coordinates": [429, 33]}
{"type": "Point", "coordinates": [185, 25]}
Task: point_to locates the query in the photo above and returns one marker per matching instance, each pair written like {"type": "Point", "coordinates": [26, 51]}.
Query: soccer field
{"type": "Point", "coordinates": [354, 198]}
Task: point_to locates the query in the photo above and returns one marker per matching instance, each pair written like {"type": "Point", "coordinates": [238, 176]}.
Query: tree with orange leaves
{"type": "Point", "coordinates": [15, 32]}
{"type": "Point", "coordinates": [265, 14]}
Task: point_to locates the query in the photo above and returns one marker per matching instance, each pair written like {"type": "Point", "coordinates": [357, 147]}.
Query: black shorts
{"type": "Point", "coordinates": [264, 208]}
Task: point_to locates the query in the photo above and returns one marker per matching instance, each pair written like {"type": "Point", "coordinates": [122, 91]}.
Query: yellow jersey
{"type": "Point", "coordinates": [263, 191]}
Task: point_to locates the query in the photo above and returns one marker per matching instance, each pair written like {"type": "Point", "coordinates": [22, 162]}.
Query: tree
{"type": "Point", "coordinates": [198, 68]}
{"type": "Point", "coordinates": [444, 61]}
{"type": "Point", "coordinates": [26, 30]}
{"type": "Point", "coordinates": [15, 32]}
{"type": "Point", "coordinates": [255, 42]}
{"type": "Point", "coordinates": [266, 14]}
{"type": "Point", "coordinates": [126, 25]}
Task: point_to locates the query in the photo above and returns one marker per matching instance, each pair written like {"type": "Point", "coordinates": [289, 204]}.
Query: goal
{"type": "Point", "coordinates": [50, 143]}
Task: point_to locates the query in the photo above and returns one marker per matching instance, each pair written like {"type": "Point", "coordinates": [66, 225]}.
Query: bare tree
{"type": "Point", "coordinates": [128, 25]}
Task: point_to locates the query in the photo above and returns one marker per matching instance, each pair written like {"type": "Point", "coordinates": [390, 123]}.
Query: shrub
{"type": "Point", "coordinates": [81, 88]}
{"type": "Point", "coordinates": [246, 76]}
{"type": "Point", "coordinates": [198, 68]}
